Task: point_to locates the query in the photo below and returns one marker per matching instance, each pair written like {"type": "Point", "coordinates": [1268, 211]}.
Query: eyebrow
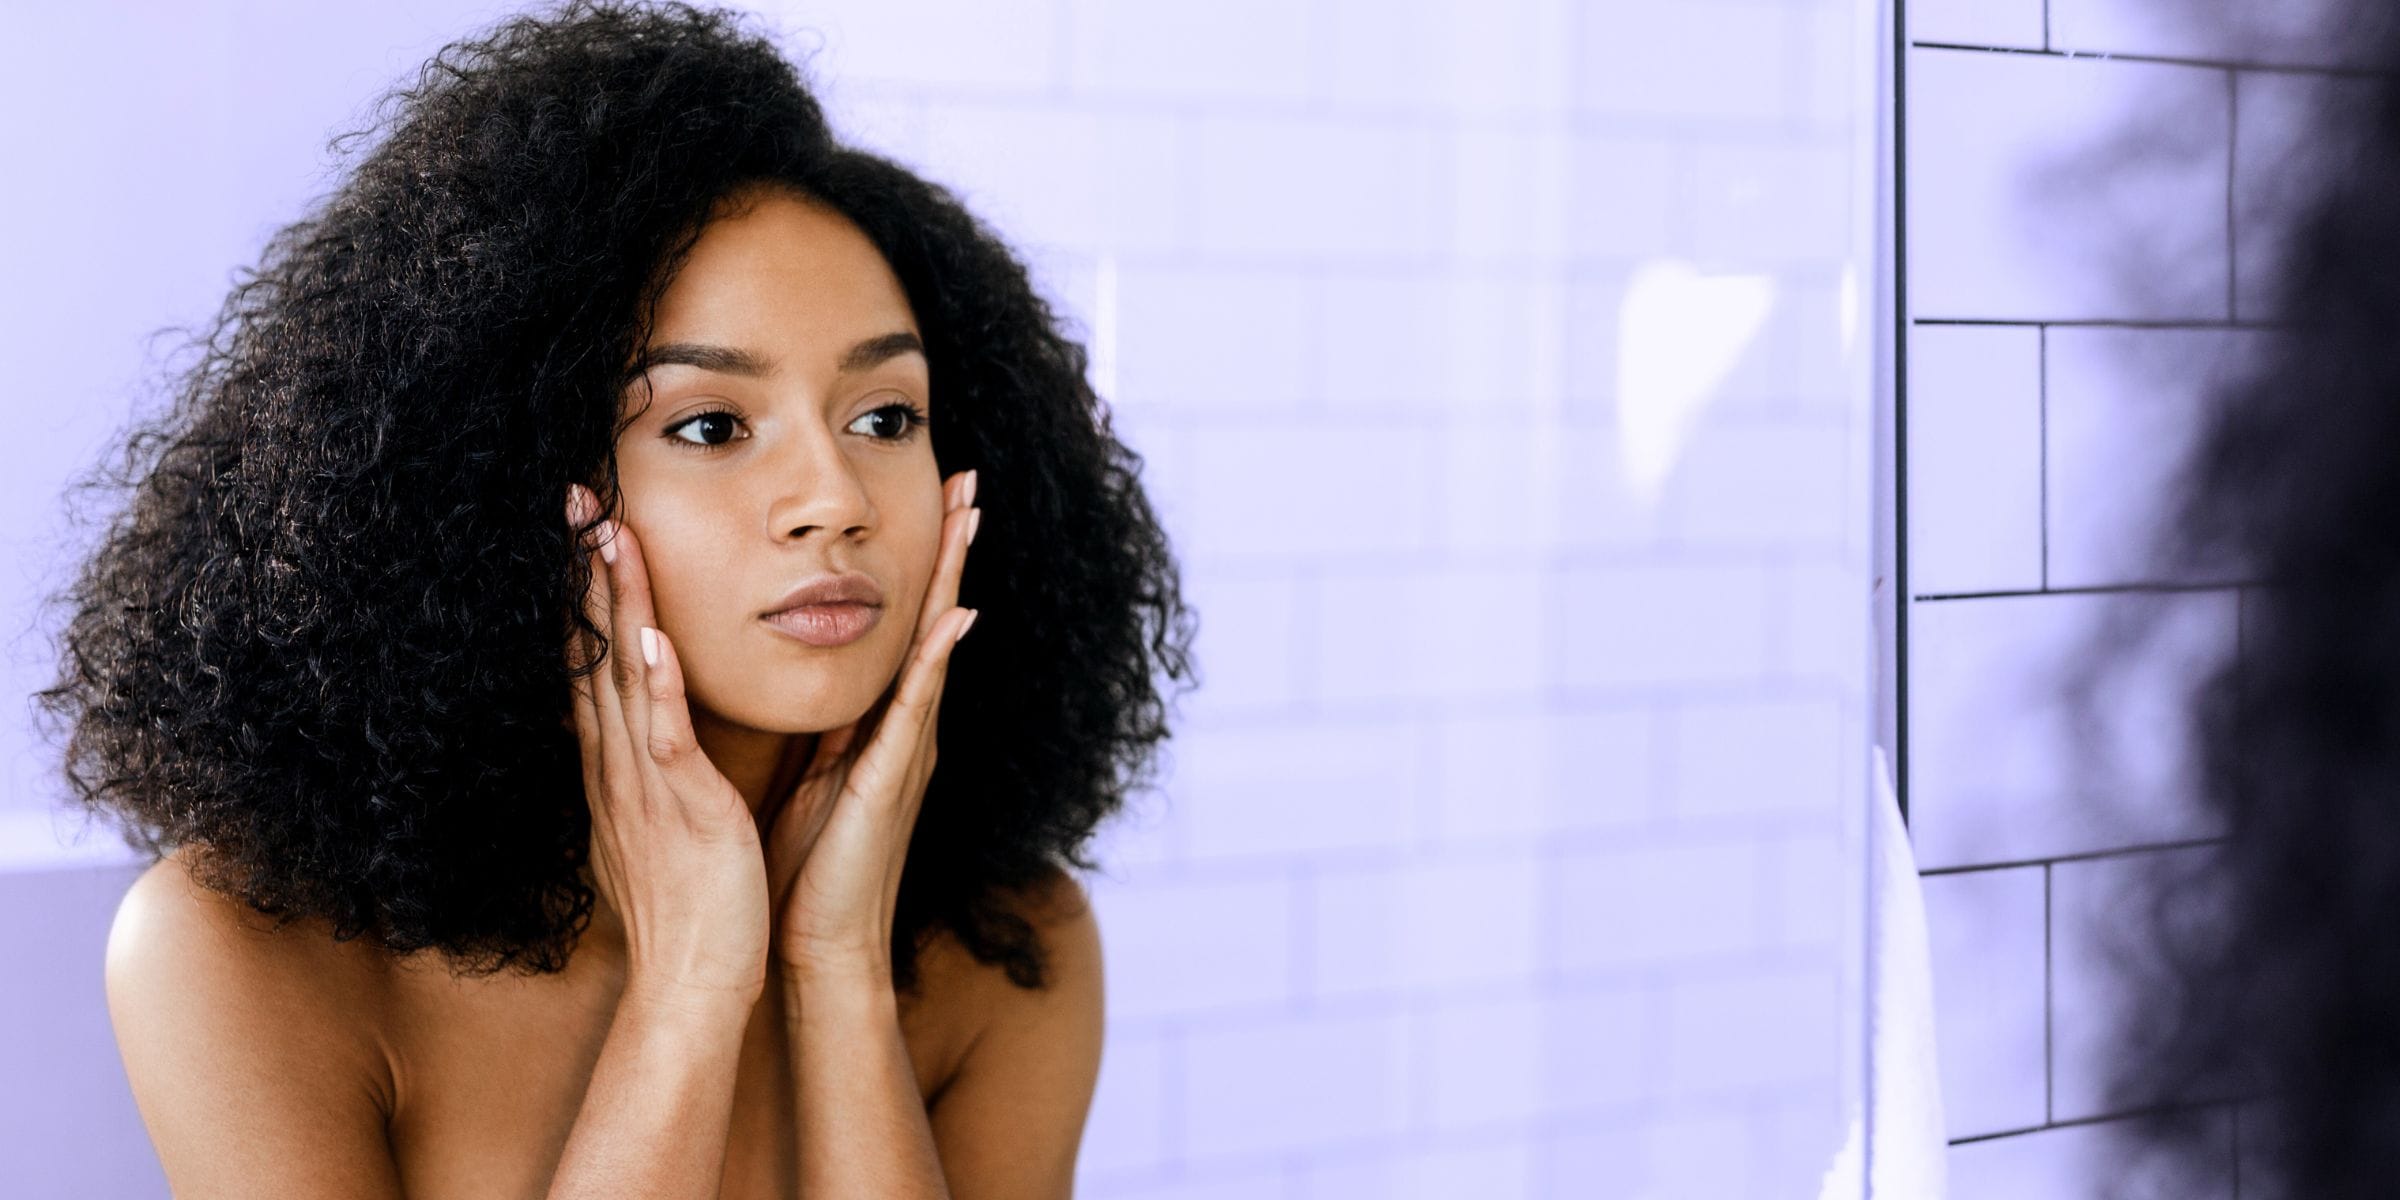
{"type": "Point", "coordinates": [733, 360]}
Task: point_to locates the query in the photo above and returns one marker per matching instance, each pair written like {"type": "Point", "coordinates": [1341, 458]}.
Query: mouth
{"type": "Point", "coordinates": [825, 624]}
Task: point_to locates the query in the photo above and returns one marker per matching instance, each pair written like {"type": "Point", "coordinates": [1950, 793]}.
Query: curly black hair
{"type": "Point", "coordinates": [321, 640]}
{"type": "Point", "coordinates": [2262, 971]}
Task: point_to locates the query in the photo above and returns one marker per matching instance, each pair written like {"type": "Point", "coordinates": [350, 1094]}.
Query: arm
{"type": "Point", "coordinates": [257, 1077]}
{"type": "Point", "coordinates": [656, 1114]}
{"type": "Point", "coordinates": [1006, 1127]}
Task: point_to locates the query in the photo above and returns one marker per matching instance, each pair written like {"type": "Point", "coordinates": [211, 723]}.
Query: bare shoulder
{"type": "Point", "coordinates": [254, 1053]}
{"type": "Point", "coordinates": [1066, 937]}
{"type": "Point", "coordinates": [1009, 1122]}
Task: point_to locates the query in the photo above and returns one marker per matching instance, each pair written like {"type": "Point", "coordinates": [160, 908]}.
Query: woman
{"type": "Point", "coordinates": [528, 641]}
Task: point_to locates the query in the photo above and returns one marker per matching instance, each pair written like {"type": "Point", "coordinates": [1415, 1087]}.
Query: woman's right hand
{"type": "Point", "coordinates": [674, 848]}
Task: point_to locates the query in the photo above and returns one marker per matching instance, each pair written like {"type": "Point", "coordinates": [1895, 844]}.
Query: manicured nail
{"type": "Point", "coordinates": [608, 541]}
{"type": "Point", "coordinates": [974, 522]}
{"type": "Point", "coordinates": [970, 489]}
{"type": "Point", "coordinates": [972, 613]}
{"type": "Point", "coordinates": [578, 510]}
{"type": "Point", "coordinates": [649, 645]}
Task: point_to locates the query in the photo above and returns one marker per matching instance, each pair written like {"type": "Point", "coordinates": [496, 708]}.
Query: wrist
{"type": "Point", "coordinates": [683, 1000]}
{"type": "Point", "coordinates": [829, 969]}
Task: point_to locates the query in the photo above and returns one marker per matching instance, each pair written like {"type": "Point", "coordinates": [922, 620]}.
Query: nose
{"type": "Point", "coordinates": [817, 488]}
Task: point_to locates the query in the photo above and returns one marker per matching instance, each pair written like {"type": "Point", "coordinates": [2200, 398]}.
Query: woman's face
{"type": "Point", "coordinates": [777, 448]}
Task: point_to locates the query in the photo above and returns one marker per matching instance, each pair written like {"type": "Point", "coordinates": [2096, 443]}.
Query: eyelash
{"type": "Point", "coordinates": [917, 419]}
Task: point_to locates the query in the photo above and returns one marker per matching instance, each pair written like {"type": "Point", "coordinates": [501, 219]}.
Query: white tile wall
{"type": "Point", "coordinates": [1986, 931]}
{"type": "Point", "coordinates": [1975, 494]}
{"type": "Point", "coordinates": [2096, 219]}
{"type": "Point", "coordinates": [2003, 768]}
{"type": "Point", "coordinates": [2123, 407]}
{"type": "Point", "coordinates": [2072, 1162]}
{"type": "Point", "coordinates": [2028, 201]}
{"type": "Point", "coordinates": [2274, 153]}
{"type": "Point", "coordinates": [2287, 32]}
{"type": "Point", "coordinates": [2018, 24]}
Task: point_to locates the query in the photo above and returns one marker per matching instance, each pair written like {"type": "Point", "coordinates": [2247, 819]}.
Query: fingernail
{"type": "Point", "coordinates": [972, 613]}
{"type": "Point", "coordinates": [608, 541]}
{"type": "Point", "coordinates": [649, 645]}
{"type": "Point", "coordinates": [974, 522]}
{"type": "Point", "coordinates": [970, 489]}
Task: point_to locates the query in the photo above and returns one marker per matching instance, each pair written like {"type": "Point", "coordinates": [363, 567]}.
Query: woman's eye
{"type": "Point", "coordinates": [715, 428]}
{"type": "Point", "coordinates": [901, 421]}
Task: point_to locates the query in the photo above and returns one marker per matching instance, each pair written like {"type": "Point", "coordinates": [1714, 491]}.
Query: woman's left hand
{"type": "Point", "coordinates": [838, 840]}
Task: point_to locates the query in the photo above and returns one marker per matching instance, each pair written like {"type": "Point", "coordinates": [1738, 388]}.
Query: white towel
{"type": "Point", "coordinates": [1903, 1119]}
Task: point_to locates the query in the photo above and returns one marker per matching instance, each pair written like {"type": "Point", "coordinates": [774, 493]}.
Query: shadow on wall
{"type": "Point", "coordinates": [2251, 1009]}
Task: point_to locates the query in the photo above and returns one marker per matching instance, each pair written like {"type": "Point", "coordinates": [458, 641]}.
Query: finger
{"type": "Point", "coordinates": [885, 761]}
{"type": "Point", "coordinates": [612, 744]}
{"type": "Point", "coordinates": [629, 612]}
{"type": "Point", "coordinates": [673, 746]}
{"type": "Point", "coordinates": [941, 592]}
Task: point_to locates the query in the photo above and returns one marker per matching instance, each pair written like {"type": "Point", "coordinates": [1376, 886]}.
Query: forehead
{"type": "Point", "coordinates": [786, 275]}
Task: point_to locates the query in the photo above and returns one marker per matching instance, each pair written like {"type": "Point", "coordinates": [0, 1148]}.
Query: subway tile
{"type": "Point", "coordinates": [1987, 937]}
{"type": "Point", "coordinates": [1595, 1046]}
{"type": "Point", "coordinates": [1087, 178]}
{"type": "Point", "coordinates": [1654, 625]}
{"type": "Point", "coordinates": [1827, 617]}
{"type": "Point", "coordinates": [2126, 406]}
{"type": "Point", "coordinates": [1385, 345]}
{"type": "Point", "coordinates": [1316, 188]}
{"type": "Point", "coordinates": [2308, 33]}
{"type": "Point", "coordinates": [2078, 1162]}
{"type": "Point", "coordinates": [1765, 483]}
{"type": "Point", "coordinates": [1510, 199]}
{"type": "Point", "coordinates": [1761, 1030]}
{"type": "Point", "coordinates": [1293, 1084]}
{"type": "Point", "coordinates": [1551, 772]}
{"type": "Point", "coordinates": [1636, 60]}
{"type": "Point", "coordinates": [932, 43]}
{"type": "Point", "coordinates": [1447, 56]}
{"type": "Point", "coordinates": [1975, 488]}
{"type": "Point", "coordinates": [1126, 1129]}
{"type": "Point", "coordinates": [1176, 324]}
{"type": "Point", "coordinates": [1757, 757]}
{"type": "Point", "coordinates": [2004, 768]}
{"type": "Point", "coordinates": [1239, 50]}
{"type": "Point", "coordinates": [1500, 1170]}
{"type": "Point", "coordinates": [2285, 147]}
{"type": "Point", "coordinates": [2054, 188]}
{"type": "Point", "coordinates": [1300, 791]}
{"type": "Point", "coordinates": [2017, 24]}
{"type": "Point", "coordinates": [1558, 487]}
{"type": "Point", "coordinates": [1291, 487]}
{"type": "Point", "coordinates": [1817, 889]}
{"type": "Point", "coordinates": [1794, 1144]}
{"type": "Point", "coordinates": [1701, 1155]}
{"type": "Point", "coordinates": [1250, 642]}
{"type": "Point", "coordinates": [1626, 192]}
{"type": "Point", "coordinates": [1486, 1064]}
{"type": "Point", "coordinates": [1652, 904]}
{"type": "Point", "coordinates": [2103, 939]}
{"type": "Point", "coordinates": [1186, 947]}
{"type": "Point", "coordinates": [1430, 634]}
{"type": "Point", "coordinates": [1419, 925]}
{"type": "Point", "coordinates": [1775, 203]}
{"type": "Point", "coordinates": [1236, 1181]}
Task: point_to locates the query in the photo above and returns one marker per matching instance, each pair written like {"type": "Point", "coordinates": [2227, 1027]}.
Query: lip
{"type": "Point", "coordinates": [829, 610]}
{"type": "Point", "coordinates": [825, 624]}
{"type": "Point", "coordinates": [849, 588]}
